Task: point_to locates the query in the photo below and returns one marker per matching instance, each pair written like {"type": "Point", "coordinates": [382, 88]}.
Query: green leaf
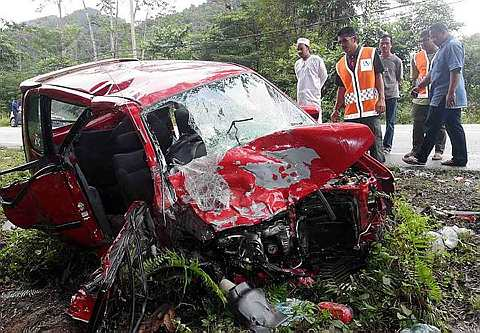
{"type": "Point", "coordinates": [406, 311]}
{"type": "Point", "coordinates": [386, 281]}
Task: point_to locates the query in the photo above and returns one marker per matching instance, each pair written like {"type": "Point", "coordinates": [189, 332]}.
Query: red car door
{"type": "Point", "coordinates": [56, 197]}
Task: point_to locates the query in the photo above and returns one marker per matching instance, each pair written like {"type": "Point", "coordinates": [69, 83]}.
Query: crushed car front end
{"type": "Point", "coordinates": [252, 182]}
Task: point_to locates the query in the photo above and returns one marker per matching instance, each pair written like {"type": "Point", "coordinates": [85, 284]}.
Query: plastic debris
{"type": "Point", "coordinates": [251, 307]}
{"type": "Point", "coordinates": [421, 328]}
{"type": "Point", "coordinates": [463, 231]}
{"type": "Point", "coordinates": [470, 216]}
{"type": "Point", "coordinates": [289, 308]}
{"type": "Point", "coordinates": [450, 237]}
{"type": "Point", "coordinates": [437, 243]}
{"type": "Point", "coordinates": [447, 237]}
{"type": "Point", "coordinates": [341, 312]}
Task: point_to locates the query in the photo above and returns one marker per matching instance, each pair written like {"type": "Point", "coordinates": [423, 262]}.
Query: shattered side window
{"type": "Point", "coordinates": [235, 110]}
{"type": "Point", "coordinates": [64, 114]}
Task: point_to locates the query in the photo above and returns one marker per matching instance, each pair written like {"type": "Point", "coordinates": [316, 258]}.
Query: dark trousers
{"type": "Point", "coordinates": [420, 115]}
{"type": "Point", "coordinates": [376, 150]}
{"type": "Point", "coordinates": [391, 117]}
{"type": "Point", "coordinates": [438, 116]}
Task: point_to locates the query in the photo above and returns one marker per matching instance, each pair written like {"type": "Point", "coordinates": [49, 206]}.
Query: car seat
{"type": "Point", "coordinates": [129, 164]}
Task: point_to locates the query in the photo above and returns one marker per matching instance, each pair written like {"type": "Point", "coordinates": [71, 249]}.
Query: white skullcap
{"type": "Point", "coordinates": [304, 41]}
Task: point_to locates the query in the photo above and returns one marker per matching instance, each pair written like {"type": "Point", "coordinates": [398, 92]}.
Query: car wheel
{"type": "Point", "coordinates": [13, 123]}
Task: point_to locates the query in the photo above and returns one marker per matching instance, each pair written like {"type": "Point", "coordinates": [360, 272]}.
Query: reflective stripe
{"type": "Point", "coordinates": [349, 98]}
{"type": "Point", "coordinates": [365, 95]}
{"type": "Point", "coordinates": [368, 94]}
{"type": "Point", "coordinates": [360, 92]}
{"type": "Point", "coordinates": [364, 114]}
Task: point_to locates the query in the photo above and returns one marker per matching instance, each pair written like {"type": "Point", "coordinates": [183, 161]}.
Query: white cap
{"type": "Point", "coordinates": [304, 41]}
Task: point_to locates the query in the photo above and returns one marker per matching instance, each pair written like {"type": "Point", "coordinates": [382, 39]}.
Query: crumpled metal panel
{"type": "Point", "coordinates": [267, 175]}
{"type": "Point", "coordinates": [88, 304]}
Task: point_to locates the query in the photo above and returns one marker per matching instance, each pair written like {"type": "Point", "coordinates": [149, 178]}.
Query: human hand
{"type": "Point", "coordinates": [414, 92]}
{"type": "Point", "coordinates": [335, 116]}
{"type": "Point", "coordinates": [450, 100]}
{"type": "Point", "coordinates": [380, 106]}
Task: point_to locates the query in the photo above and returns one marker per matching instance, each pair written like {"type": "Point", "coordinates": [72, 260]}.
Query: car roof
{"type": "Point", "coordinates": [144, 81]}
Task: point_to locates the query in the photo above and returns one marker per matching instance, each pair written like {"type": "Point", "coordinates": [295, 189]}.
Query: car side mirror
{"type": "Point", "coordinates": [311, 110]}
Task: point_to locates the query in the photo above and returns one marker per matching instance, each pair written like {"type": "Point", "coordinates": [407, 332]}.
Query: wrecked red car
{"type": "Point", "coordinates": [207, 157]}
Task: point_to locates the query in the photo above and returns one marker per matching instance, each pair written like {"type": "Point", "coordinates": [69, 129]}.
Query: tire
{"type": "Point", "coordinates": [13, 123]}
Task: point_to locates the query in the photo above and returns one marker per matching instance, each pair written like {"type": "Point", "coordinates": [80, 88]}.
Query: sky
{"type": "Point", "coordinates": [466, 11]}
{"type": "Point", "coordinates": [24, 10]}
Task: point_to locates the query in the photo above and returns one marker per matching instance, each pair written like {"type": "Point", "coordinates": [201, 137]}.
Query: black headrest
{"type": "Point", "coordinates": [182, 117]}
{"type": "Point", "coordinates": [159, 125]}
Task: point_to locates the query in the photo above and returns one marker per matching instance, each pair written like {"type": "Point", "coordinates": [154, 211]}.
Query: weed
{"type": "Point", "coordinates": [35, 257]}
{"type": "Point", "coordinates": [28, 254]}
{"type": "Point", "coordinates": [10, 158]}
{"type": "Point", "coordinates": [475, 302]}
{"type": "Point", "coordinates": [191, 268]}
{"type": "Point", "coordinates": [4, 120]}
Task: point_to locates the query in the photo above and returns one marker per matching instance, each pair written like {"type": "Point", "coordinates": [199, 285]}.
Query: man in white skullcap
{"type": "Point", "coordinates": [311, 75]}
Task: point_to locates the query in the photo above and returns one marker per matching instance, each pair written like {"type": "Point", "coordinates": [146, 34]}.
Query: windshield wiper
{"type": "Point", "coordinates": [233, 125]}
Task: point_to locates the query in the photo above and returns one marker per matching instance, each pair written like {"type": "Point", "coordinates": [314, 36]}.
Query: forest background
{"type": "Point", "coordinates": [259, 34]}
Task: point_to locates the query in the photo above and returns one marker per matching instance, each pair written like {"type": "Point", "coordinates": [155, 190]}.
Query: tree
{"type": "Point", "coordinates": [472, 70]}
{"type": "Point", "coordinates": [222, 43]}
{"type": "Point", "coordinates": [8, 53]}
{"type": "Point", "coordinates": [170, 42]}
{"type": "Point", "coordinates": [110, 7]}
{"type": "Point", "coordinates": [92, 37]}
{"type": "Point", "coordinates": [147, 5]}
{"type": "Point", "coordinates": [58, 4]}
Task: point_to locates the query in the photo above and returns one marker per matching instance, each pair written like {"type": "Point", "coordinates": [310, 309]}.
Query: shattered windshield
{"type": "Point", "coordinates": [224, 114]}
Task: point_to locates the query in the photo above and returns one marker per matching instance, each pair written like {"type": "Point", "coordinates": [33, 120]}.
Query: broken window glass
{"type": "Point", "coordinates": [64, 114]}
{"type": "Point", "coordinates": [252, 105]}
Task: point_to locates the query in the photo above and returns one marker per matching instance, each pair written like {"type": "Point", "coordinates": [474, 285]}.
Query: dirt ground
{"type": "Point", "coordinates": [26, 309]}
{"type": "Point", "coordinates": [438, 193]}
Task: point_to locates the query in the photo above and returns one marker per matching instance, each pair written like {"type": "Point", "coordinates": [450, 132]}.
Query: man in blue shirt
{"type": "Point", "coordinates": [448, 97]}
{"type": "Point", "coordinates": [14, 110]}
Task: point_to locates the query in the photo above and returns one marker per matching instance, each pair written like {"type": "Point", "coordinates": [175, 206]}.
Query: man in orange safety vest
{"type": "Point", "coordinates": [421, 63]}
{"type": "Point", "coordinates": [360, 87]}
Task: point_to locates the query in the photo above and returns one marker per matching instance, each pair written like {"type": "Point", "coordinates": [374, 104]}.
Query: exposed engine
{"type": "Point", "coordinates": [325, 226]}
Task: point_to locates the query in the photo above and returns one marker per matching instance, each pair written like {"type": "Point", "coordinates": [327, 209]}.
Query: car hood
{"type": "Point", "coordinates": [253, 182]}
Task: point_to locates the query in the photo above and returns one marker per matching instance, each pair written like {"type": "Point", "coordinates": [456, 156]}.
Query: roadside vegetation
{"type": "Point", "coordinates": [4, 119]}
{"type": "Point", "coordinates": [404, 282]}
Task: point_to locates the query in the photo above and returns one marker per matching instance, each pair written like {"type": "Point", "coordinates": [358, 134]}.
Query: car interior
{"type": "Point", "coordinates": [113, 162]}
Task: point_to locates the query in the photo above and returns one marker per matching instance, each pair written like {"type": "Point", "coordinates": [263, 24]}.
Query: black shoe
{"type": "Point", "coordinates": [453, 163]}
{"type": "Point", "coordinates": [412, 160]}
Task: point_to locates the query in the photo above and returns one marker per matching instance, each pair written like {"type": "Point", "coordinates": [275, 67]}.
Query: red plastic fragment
{"type": "Point", "coordinates": [81, 306]}
{"type": "Point", "coordinates": [341, 312]}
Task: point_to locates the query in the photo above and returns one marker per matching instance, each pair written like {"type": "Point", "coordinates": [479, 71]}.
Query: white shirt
{"type": "Point", "coordinates": [311, 75]}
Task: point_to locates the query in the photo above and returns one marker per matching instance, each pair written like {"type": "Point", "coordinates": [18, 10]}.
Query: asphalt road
{"type": "Point", "coordinates": [11, 137]}
{"type": "Point", "coordinates": [402, 144]}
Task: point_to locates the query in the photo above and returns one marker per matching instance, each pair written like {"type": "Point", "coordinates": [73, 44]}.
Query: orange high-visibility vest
{"type": "Point", "coordinates": [360, 93]}
{"type": "Point", "coordinates": [422, 63]}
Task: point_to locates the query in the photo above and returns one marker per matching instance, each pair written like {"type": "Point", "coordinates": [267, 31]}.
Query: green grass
{"type": "Point", "coordinates": [4, 120]}
{"type": "Point", "coordinates": [10, 158]}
